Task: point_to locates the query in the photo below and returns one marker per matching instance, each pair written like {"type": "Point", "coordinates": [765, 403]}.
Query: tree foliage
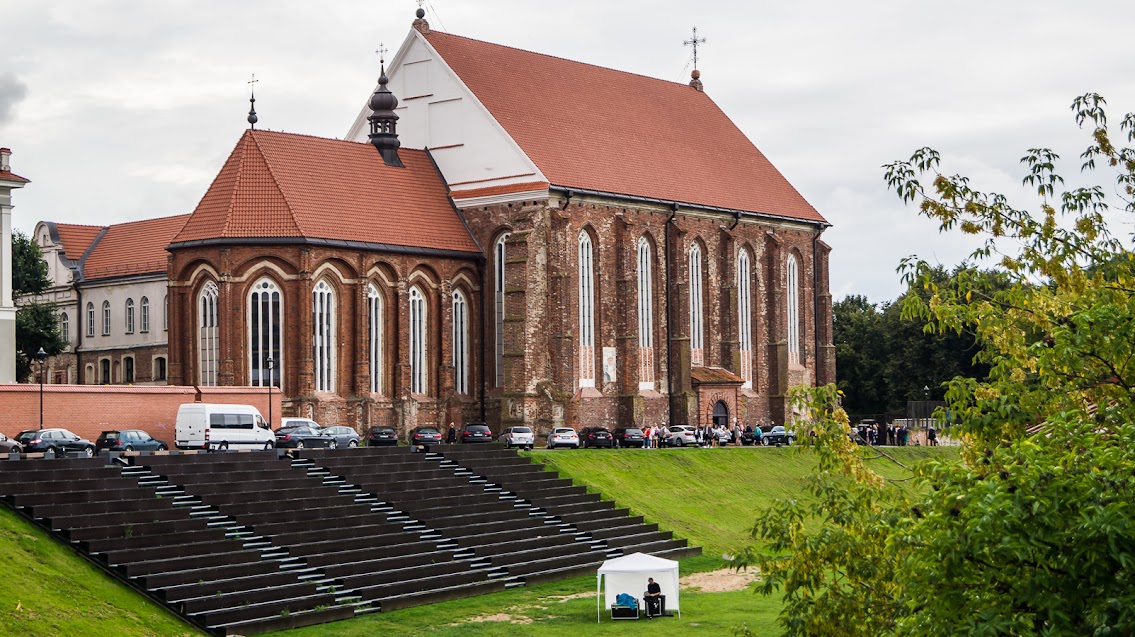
{"type": "Point", "coordinates": [1032, 531]}
{"type": "Point", "coordinates": [37, 324]}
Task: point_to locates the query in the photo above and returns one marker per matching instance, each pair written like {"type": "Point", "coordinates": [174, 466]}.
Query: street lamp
{"type": "Point", "coordinates": [926, 391]}
{"type": "Point", "coordinates": [41, 356]}
{"type": "Point", "coordinates": [271, 383]}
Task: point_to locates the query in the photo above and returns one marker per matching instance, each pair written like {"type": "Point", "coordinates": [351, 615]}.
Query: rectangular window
{"type": "Point", "coordinates": [128, 370]}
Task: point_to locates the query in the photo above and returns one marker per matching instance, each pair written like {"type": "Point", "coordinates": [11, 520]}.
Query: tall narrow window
{"type": "Point", "coordinates": [586, 312]}
{"type": "Point", "coordinates": [792, 296]}
{"type": "Point", "coordinates": [460, 343]}
{"type": "Point", "coordinates": [417, 341]}
{"type": "Point", "coordinates": [498, 303]}
{"type": "Point", "coordinates": [374, 329]}
{"type": "Point", "coordinates": [104, 371]}
{"type": "Point", "coordinates": [745, 318]}
{"type": "Point", "coordinates": [106, 318]}
{"type": "Point", "coordinates": [323, 335]}
{"type": "Point", "coordinates": [165, 312]}
{"type": "Point", "coordinates": [129, 316]}
{"type": "Point", "coordinates": [65, 327]}
{"type": "Point", "coordinates": [90, 319]}
{"type": "Point", "coordinates": [266, 325]}
{"type": "Point", "coordinates": [144, 309]}
{"type": "Point", "coordinates": [697, 327]}
{"type": "Point", "coordinates": [645, 316]}
{"type": "Point", "coordinates": [160, 368]}
{"type": "Point", "coordinates": [208, 346]}
{"type": "Point", "coordinates": [128, 370]}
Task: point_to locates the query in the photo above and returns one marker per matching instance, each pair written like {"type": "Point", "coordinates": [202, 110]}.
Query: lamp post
{"type": "Point", "coordinates": [271, 383]}
{"type": "Point", "coordinates": [41, 356]}
{"type": "Point", "coordinates": [926, 392]}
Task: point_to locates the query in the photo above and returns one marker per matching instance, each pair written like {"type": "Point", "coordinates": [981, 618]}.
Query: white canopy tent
{"type": "Point", "coordinates": [628, 574]}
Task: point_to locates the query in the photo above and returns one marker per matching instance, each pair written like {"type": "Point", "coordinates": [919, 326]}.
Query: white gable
{"type": "Point", "coordinates": [438, 112]}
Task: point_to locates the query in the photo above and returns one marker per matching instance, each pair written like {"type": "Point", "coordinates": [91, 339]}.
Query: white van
{"type": "Point", "coordinates": [220, 427]}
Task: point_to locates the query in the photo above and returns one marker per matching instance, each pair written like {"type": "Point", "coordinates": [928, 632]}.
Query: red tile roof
{"type": "Point", "coordinates": [500, 190]}
{"type": "Point", "coordinates": [714, 376]}
{"type": "Point", "coordinates": [136, 247]}
{"type": "Point", "coordinates": [7, 175]}
{"type": "Point", "coordinates": [76, 239]}
{"type": "Point", "coordinates": [617, 132]}
{"type": "Point", "coordinates": [283, 185]}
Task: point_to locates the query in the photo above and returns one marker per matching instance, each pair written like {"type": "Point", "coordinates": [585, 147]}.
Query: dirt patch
{"type": "Point", "coordinates": [722, 581]}
{"type": "Point", "coordinates": [564, 598]}
{"type": "Point", "coordinates": [499, 617]}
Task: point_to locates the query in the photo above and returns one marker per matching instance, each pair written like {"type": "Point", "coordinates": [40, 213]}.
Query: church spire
{"type": "Point", "coordinates": [252, 118]}
{"type": "Point", "coordinates": [383, 120]}
{"type": "Point", "coordinates": [695, 75]}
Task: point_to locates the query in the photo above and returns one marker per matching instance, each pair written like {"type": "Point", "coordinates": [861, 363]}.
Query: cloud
{"type": "Point", "coordinates": [12, 92]}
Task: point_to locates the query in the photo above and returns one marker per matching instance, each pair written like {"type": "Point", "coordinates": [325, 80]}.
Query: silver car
{"type": "Point", "coordinates": [563, 437]}
{"type": "Point", "coordinates": [518, 437]}
{"type": "Point", "coordinates": [681, 436]}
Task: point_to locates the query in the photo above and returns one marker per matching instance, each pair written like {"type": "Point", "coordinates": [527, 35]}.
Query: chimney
{"type": "Point", "coordinates": [5, 154]}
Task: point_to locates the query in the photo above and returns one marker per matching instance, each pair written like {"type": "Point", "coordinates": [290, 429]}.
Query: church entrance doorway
{"type": "Point", "coordinates": [720, 414]}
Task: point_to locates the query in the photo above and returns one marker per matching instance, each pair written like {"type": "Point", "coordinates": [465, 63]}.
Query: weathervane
{"type": "Point", "coordinates": [252, 118]}
{"type": "Point", "coordinates": [694, 42]}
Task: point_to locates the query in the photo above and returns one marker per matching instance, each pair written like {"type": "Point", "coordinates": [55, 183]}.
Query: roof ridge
{"type": "Point", "coordinates": [563, 59]}
{"type": "Point", "coordinates": [260, 131]}
{"type": "Point", "coordinates": [276, 182]}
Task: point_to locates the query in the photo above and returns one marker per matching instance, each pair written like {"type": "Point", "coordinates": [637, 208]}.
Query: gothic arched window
{"type": "Point", "coordinates": [90, 319]}
{"type": "Point", "coordinates": [265, 334]}
{"type": "Point", "coordinates": [144, 309]}
{"type": "Point", "coordinates": [106, 318]}
{"type": "Point", "coordinates": [460, 343]}
{"type": "Point", "coordinates": [208, 346]}
{"type": "Point", "coordinates": [65, 327]}
{"type": "Point", "coordinates": [745, 317]}
{"type": "Point", "coordinates": [586, 312]}
{"type": "Point", "coordinates": [418, 358]}
{"type": "Point", "coordinates": [645, 315]}
{"type": "Point", "coordinates": [374, 330]}
{"type": "Point", "coordinates": [697, 327]}
{"type": "Point", "coordinates": [323, 335]}
{"type": "Point", "coordinates": [129, 316]}
{"type": "Point", "coordinates": [498, 307]}
{"type": "Point", "coordinates": [792, 296]}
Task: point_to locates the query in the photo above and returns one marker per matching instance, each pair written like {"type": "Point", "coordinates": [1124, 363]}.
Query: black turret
{"type": "Point", "coordinates": [384, 122]}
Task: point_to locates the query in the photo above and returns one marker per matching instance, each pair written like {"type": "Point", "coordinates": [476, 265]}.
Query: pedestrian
{"type": "Point", "coordinates": [697, 436]}
{"type": "Point", "coordinates": [646, 437]}
{"type": "Point", "coordinates": [657, 433]}
{"type": "Point", "coordinates": [451, 437]}
{"type": "Point", "coordinates": [932, 436]}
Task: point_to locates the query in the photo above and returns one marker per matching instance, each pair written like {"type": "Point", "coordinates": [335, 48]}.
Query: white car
{"type": "Point", "coordinates": [681, 436]}
{"type": "Point", "coordinates": [518, 437]}
{"type": "Point", "coordinates": [563, 437]}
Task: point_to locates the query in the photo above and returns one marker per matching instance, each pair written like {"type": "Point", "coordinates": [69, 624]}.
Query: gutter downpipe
{"type": "Point", "coordinates": [669, 322]}
{"type": "Point", "coordinates": [816, 304]}
{"type": "Point", "coordinates": [80, 313]}
{"type": "Point", "coordinates": [484, 378]}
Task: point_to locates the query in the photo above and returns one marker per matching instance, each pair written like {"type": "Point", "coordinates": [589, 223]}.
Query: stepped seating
{"type": "Point", "coordinates": [243, 543]}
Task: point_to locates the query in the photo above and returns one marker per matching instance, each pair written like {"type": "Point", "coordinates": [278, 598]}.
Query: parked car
{"type": "Point", "coordinates": [425, 436]}
{"type": "Point", "coordinates": [681, 436]}
{"type": "Point", "coordinates": [9, 446]}
{"type": "Point", "coordinates": [217, 427]}
{"type": "Point", "coordinates": [752, 436]}
{"type": "Point", "coordinates": [476, 432]}
{"type": "Point", "coordinates": [563, 437]}
{"type": "Point", "coordinates": [518, 437]}
{"type": "Point", "coordinates": [596, 437]}
{"type": "Point", "coordinates": [54, 441]}
{"type": "Point", "coordinates": [778, 436]}
{"type": "Point", "coordinates": [300, 436]}
{"type": "Point", "coordinates": [382, 436]}
{"type": "Point", "coordinates": [628, 437]}
{"type": "Point", "coordinates": [344, 436]}
{"type": "Point", "coordinates": [128, 440]}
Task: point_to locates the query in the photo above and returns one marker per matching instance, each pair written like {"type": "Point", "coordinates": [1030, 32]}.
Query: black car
{"type": "Point", "coordinates": [596, 437]}
{"type": "Point", "coordinates": [476, 432]}
{"type": "Point", "coordinates": [629, 437]}
{"type": "Point", "coordinates": [425, 436]}
{"type": "Point", "coordinates": [778, 436]}
{"type": "Point", "coordinates": [382, 436]}
{"type": "Point", "coordinates": [57, 442]}
{"type": "Point", "coordinates": [300, 436]}
{"type": "Point", "coordinates": [128, 440]}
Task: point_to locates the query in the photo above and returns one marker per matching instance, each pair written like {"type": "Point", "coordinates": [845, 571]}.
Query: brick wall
{"type": "Point", "coordinates": [88, 410]}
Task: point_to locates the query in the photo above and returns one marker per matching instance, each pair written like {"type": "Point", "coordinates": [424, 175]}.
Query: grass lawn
{"type": "Point", "coordinates": [46, 590]}
{"type": "Point", "coordinates": [709, 497]}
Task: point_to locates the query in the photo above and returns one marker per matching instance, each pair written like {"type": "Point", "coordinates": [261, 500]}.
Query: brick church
{"type": "Point", "coordinates": [496, 242]}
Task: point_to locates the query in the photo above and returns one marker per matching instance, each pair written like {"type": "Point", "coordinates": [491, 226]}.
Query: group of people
{"type": "Point", "coordinates": [874, 434]}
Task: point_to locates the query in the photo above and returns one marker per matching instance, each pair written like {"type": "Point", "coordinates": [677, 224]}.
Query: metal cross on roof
{"type": "Point", "coordinates": [381, 51]}
{"type": "Point", "coordinates": [694, 42]}
{"type": "Point", "coordinates": [253, 81]}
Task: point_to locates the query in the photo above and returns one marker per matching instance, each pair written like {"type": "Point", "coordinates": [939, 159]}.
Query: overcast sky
{"type": "Point", "coordinates": [124, 109]}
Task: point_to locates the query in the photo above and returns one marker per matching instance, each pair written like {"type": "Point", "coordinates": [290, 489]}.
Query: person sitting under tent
{"type": "Point", "coordinates": [653, 598]}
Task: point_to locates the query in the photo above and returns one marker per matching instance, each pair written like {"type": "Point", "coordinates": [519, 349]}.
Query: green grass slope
{"type": "Point", "coordinates": [46, 590]}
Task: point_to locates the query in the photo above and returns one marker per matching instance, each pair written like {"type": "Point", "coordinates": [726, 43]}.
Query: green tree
{"type": "Point", "coordinates": [1032, 531]}
{"type": "Point", "coordinates": [37, 324]}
